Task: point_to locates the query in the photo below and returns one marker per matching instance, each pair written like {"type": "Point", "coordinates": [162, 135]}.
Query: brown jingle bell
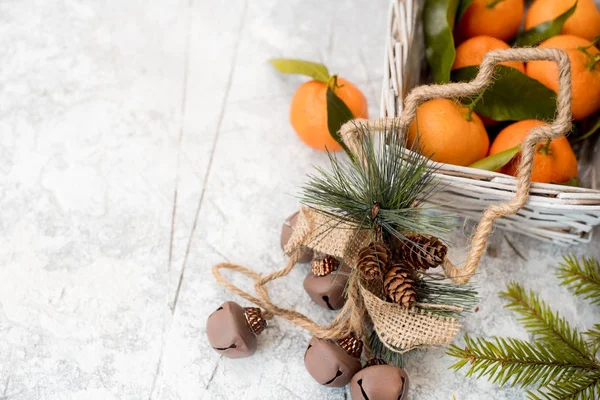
{"type": "Point", "coordinates": [325, 286]}
{"type": "Point", "coordinates": [379, 382]}
{"type": "Point", "coordinates": [330, 364]}
{"type": "Point", "coordinates": [286, 233]}
{"type": "Point", "coordinates": [232, 330]}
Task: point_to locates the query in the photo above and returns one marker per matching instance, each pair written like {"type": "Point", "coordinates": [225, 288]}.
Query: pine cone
{"type": "Point", "coordinates": [399, 285]}
{"type": "Point", "coordinates": [352, 345]}
{"type": "Point", "coordinates": [423, 252]}
{"type": "Point", "coordinates": [255, 319]}
{"type": "Point", "coordinates": [324, 266]}
{"type": "Point", "coordinates": [373, 260]}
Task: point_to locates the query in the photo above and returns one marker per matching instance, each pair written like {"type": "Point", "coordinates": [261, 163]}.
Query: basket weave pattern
{"type": "Point", "coordinates": [560, 214]}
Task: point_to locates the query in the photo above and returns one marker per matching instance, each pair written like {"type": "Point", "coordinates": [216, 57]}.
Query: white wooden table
{"type": "Point", "coordinates": [141, 142]}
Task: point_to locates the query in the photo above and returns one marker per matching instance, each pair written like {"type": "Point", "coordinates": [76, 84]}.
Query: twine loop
{"type": "Point", "coordinates": [340, 327]}
{"type": "Point", "coordinates": [351, 132]}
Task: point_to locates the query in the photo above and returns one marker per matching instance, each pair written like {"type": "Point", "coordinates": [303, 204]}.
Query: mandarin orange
{"type": "Point", "coordinates": [441, 131]}
{"type": "Point", "coordinates": [497, 18]}
{"type": "Point", "coordinates": [585, 73]}
{"type": "Point", "coordinates": [472, 51]}
{"type": "Point", "coordinates": [553, 162]}
{"type": "Point", "coordinates": [308, 111]}
{"type": "Point", "coordinates": [585, 21]}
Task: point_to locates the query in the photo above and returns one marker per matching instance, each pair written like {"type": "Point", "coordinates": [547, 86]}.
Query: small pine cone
{"type": "Point", "coordinates": [373, 260]}
{"type": "Point", "coordinates": [352, 345]}
{"type": "Point", "coordinates": [423, 252]}
{"type": "Point", "coordinates": [399, 285]}
{"type": "Point", "coordinates": [324, 266]}
{"type": "Point", "coordinates": [255, 320]}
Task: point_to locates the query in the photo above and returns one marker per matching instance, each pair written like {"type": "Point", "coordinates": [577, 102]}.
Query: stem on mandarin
{"type": "Point", "coordinates": [594, 58]}
{"type": "Point", "coordinates": [333, 83]}
{"type": "Point", "coordinates": [472, 105]}
{"type": "Point", "coordinates": [546, 148]}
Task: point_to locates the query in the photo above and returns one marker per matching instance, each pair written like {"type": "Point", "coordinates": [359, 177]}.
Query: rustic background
{"type": "Point", "coordinates": [141, 142]}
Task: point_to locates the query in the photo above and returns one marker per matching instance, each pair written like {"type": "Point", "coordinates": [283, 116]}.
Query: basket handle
{"type": "Point", "coordinates": [351, 133]}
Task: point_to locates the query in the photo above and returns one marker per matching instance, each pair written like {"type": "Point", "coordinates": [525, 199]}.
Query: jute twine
{"type": "Point", "coordinates": [326, 234]}
{"type": "Point", "coordinates": [349, 315]}
{"type": "Point", "coordinates": [351, 133]}
{"type": "Point", "coordinates": [398, 328]}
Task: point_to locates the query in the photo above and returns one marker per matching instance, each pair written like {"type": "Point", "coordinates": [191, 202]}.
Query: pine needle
{"type": "Point", "coordinates": [379, 350]}
{"type": "Point", "coordinates": [397, 181]}
{"type": "Point", "coordinates": [594, 338]}
{"type": "Point", "coordinates": [584, 387]}
{"type": "Point", "coordinates": [583, 278]}
{"type": "Point", "coordinates": [537, 317]}
{"type": "Point", "coordinates": [504, 360]}
{"type": "Point", "coordinates": [435, 291]}
{"type": "Point", "coordinates": [561, 363]}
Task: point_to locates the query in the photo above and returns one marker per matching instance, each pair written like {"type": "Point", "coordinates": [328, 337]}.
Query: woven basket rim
{"type": "Point", "coordinates": [574, 210]}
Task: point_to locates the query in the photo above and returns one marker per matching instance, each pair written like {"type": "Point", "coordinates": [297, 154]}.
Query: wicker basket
{"type": "Point", "coordinates": [560, 214]}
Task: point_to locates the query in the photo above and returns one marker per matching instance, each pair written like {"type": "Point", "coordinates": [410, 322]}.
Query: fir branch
{"type": "Point", "coordinates": [396, 181]}
{"type": "Point", "coordinates": [435, 291]}
{"type": "Point", "coordinates": [584, 387]}
{"type": "Point", "coordinates": [379, 350]}
{"type": "Point", "coordinates": [502, 360]}
{"type": "Point", "coordinates": [594, 338]}
{"type": "Point", "coordinates": [561, 363]}
{"type": "Point", "coordinates": [583, 278]}
{"type": "Point", "coordinates": [539, 319]}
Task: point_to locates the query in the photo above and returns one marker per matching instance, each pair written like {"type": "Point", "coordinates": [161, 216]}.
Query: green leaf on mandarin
{"type": "Point", "coordinates": [311, 69]}
{"type": "Point", "coordinates": [498, 160]}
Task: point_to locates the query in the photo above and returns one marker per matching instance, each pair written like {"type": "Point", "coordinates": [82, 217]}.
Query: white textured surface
{"type": "Point", "coordinates": [143, 141]}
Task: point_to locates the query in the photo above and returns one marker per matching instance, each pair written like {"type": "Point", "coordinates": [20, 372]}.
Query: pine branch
{"type": "Point", "coordinates": [502, 360]}
{"type": "Point", "coordinates": [436, 291]}
{"type": "Point", "coordinates": [561, 363]}
{"type": "Point", "coordinates": [583, 278]}
{"type": "Point", "coordinates": [583, 387]}
{"type": "Point", "coordinates": [396, 182]}
{"type": "Point", "coordinates": [594, 338]}
{"type": "Point", "coordinates": [539, 319]}
{"type": "Point", "coordinates": [379, 350]}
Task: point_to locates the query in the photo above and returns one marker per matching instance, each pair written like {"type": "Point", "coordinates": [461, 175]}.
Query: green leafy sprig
{"type": "Point", "coordinates": [583, 278]}
{"type": "Point", "coordinates": [539, 319]}
{"type": "Point", "coordinates": [514, 361]}
{"type": "Point", "coordinates": [561, 363]}
{"type": "Point", "coordinates": [387, 190]}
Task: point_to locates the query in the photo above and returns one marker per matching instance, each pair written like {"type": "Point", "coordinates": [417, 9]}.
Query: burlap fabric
{"type": "Point", "coordinates": [401, 329]}
{"type": "Point", "coordinates": [327, 235]}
